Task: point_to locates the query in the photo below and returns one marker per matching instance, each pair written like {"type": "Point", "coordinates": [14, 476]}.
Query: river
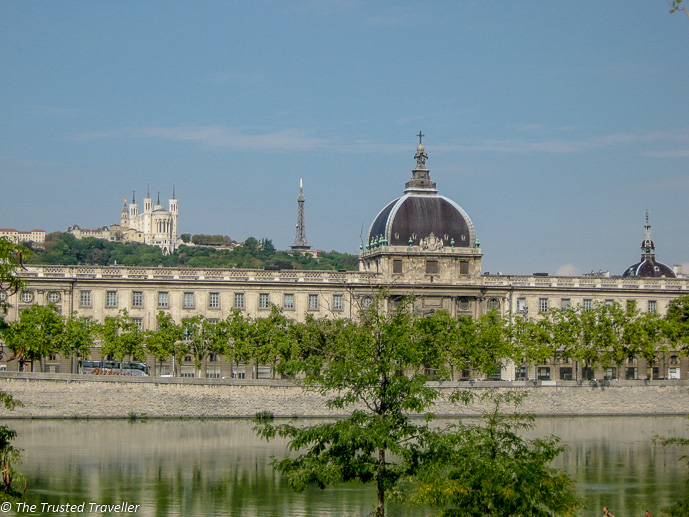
{"type": "Point", "coordinates": [219, 468]}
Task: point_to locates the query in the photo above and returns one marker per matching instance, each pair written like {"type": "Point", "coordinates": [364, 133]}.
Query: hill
{"type": "Point", "coordinates": [64, 249]}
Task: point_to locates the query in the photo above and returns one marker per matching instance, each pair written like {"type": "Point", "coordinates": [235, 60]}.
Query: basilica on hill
{"type": "Point", "coordinates": [154, 225]}
{"type": "Point", "coordinates": [422, 244]}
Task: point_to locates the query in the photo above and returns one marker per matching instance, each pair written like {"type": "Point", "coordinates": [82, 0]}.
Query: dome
{"type": "Point", "coordinates": [421, 216]}
{"type": "Point", "coordinates": [649, 267]}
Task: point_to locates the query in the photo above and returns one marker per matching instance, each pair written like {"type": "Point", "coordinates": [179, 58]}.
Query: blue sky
{"type": "Point", "coordinates": [553, 124]}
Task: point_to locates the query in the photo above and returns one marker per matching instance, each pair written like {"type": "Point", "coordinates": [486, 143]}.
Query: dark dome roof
{"type": "Point", "coordinates": [417, 216]}
{"type": "Point", "coordinates": [649, 267]}
{"type": "Point", "coordinates": [421, 213]}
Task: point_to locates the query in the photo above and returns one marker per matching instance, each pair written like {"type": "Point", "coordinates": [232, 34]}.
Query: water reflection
{"type": "Point", "coordinates": [219, 467]}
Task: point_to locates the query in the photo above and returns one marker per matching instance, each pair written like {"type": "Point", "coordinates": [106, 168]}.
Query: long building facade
{"type": "Point", "coordinates": [420, 244]}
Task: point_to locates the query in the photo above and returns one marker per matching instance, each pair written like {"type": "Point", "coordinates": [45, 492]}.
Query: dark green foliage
{"type": "Point", "coordinates": [374, 366]}
{"type": "Point", "coordinates": [65, 249]}
{"type": "Point", "coordinates": [475, 469]}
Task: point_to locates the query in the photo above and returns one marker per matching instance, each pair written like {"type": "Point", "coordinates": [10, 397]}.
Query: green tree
{"type": "Point", "coordinates": [10, 458]}
{"type": "Point", "coordinates": [374, 367]}
{"type": "Point", "coordinates": [12, 258]}
{"type": "Point", "coordinates": [166, 340]}
{"type": "Point", "coordinates": [487, 468]}
{"type": "Point", "coordinates": [78, 337]}
{"type": "Point", "coordinates": [38, 333]}
{"type": "Point", "coordinates": [203, 337]}
{"type": "Point", "coordinates": [677, 320]}
{"type": "Point", "coordinates": [121, 337]}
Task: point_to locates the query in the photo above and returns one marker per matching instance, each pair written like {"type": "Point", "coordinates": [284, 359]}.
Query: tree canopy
{"type": "Point", "coordinates": [65, 249]}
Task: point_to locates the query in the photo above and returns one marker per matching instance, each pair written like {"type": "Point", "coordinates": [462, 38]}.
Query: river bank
{"type": "Point", "coordinates": [80, 396]}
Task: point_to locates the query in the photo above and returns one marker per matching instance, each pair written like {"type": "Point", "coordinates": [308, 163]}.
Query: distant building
{"type": "Point", "coordinates": [155, 225]}
{"type": "Point", "coordinates": [99, 233]}
{"type": "Point", "coordinates": [35, 237]}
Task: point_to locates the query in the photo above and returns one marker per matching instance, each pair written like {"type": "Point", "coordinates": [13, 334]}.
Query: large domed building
{"type": "Point", "coordinates": [649, 267]}
{"type": "Point", "coordinates": [422, 234]}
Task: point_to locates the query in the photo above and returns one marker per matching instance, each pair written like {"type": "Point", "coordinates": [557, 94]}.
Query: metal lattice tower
{"type": "Point", "coordinates": [300, 241]}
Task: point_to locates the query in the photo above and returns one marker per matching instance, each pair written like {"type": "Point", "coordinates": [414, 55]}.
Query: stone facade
{"type": "Point", "coordinates": [34, 237]}
{"type": "Point", "coordinates": [74, 396]}
{"type": "Point", "coordinates": [99, 292]}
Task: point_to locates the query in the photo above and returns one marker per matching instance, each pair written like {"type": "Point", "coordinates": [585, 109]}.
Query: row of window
{"type": "Point", "coordinates": [432, 267]}
{"type": "Point", "coordinates": [565, 303]}
{"type": "Point", "coordinates": [189, 300]}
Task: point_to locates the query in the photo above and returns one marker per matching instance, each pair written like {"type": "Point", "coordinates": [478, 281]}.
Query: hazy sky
{"type": "Point", "coordinates": [553, 124]}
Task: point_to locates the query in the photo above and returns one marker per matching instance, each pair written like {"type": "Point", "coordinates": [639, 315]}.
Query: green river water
{"type": "Point", "coordinates": [219, 467]}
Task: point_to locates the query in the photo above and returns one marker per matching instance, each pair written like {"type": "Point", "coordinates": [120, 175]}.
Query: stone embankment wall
{"type": "Point", "coordinates": [80, 396]}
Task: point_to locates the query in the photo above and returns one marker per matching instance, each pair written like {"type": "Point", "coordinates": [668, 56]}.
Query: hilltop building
{"type": "Point", "coordinates": [155, 225]}
{"type": "Point", "coordinates": [36, 238]}
{"type": "Point", "coordinates": [421, 243]}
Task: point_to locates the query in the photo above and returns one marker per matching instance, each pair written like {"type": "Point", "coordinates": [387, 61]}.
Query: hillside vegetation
{"type": "Point", "coordinates": [64, 249]}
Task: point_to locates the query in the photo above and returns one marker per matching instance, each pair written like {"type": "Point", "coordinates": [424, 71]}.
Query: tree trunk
{"type": "Point", "coordinates": [380, 509]}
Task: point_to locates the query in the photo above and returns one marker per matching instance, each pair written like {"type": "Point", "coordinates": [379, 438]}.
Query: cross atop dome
{"type": "Point", "coordinates": [420, 179]}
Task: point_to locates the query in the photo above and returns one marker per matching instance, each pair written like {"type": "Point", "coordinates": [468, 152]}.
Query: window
{"type": "Point", "coordinates": [238, 300]}
{"type": "Point", "coordinates": [2, 296]}
{"type": "Point", "coordinates": [632, 373]}
{"type": "Point", "coordinates": [674, 359]}
{"type": "Point", "coordinates": [213, 357]}
{"type": "Point", "coordinates": [188, 300]}
{"type": "Point", "coordinates": [288, 302]}
{"type": "Point", "coordinates": [652, 306]}
{"type": "Point", "coordinates": [111, 298]}
{"type": "Point", "coordinates": [337, 302]}
{"type": "Point", "coordinates": [521, 372]}
{"type": "Point", "coordinates": [85, 298]}
{"type": "Point", "coordinates": [137, 299]}
{"type": "Point", "coordinates": [588, 304]}
{"type": "Point", "coordinates": [609, 303]}
{"type": "Point", "coordinates": [212, 372]}
{"type": "Point", "coordinates": [53, 297]}
{"type": "Point", "coordinates": [521, 304]}
{"type": "Point", "coordinates": [163, 299]}
{"type": "Point", "coordinates": [214, 300]}
{"type": "Point", "coordinates": [27, 297]}
{"type": "Point", "coordinates": [263, 301]}
{"type": "Point", "coordinates": [52, 357]}
{"type": "Point", "coordinates": [565, 304]}
{"type": "Point", "coordinates": [610, 373]}
{"type": "Point", "coordinates": [432, 267]}
{"type": "Point", "coordinates": [493, 304]}
{"type": "Point", "coordinates": [464, 303]}
{"type": "Point", "coordinates": [397, 266]}
{"type": "Point", "coordinates": [587, 373]}
{"type": "Point", "coordinates": [463, 267]}
{"type": "Point", "coordinates": [543, 304]}
{"type": "Point", "coordinates": [543, 373]}
{"type": "Point", "coordinates": [367, 301]}
{"type": "Point", "coordinates": [566, 373]}
{"type": "Point", "coordinates": [139, 322]}
{"type": "Point", "coordinates": [313, 302]}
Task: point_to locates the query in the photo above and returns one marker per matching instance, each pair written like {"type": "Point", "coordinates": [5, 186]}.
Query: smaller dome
{"type": "Point", "coordinates": [649, 267]}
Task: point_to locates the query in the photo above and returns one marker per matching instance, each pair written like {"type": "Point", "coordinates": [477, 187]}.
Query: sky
{"type": "Point", "coordinates": [554, 125]}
